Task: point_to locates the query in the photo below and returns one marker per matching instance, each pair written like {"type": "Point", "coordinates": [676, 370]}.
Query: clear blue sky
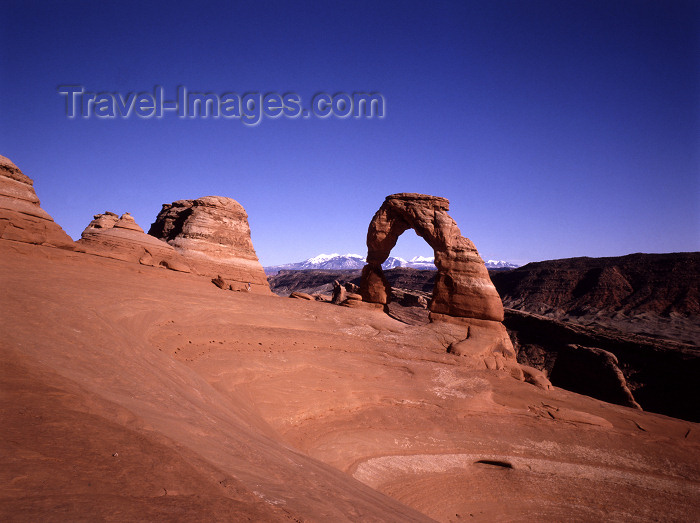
{"type": "Point", "coordinates": [555, 128]}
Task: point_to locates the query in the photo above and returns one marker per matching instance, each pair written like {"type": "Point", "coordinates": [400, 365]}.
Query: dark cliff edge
{"type": "Point", "coordinates": [641, 308]}
{"type": "Point", "coordinates": [660, 374]}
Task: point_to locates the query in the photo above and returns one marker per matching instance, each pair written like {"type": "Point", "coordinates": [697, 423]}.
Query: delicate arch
{"type": "Point", "coordinates": [462, 285]}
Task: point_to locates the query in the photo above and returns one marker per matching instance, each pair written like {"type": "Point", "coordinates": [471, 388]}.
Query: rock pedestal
{"type": "Point", "coordinates": [21, 216]}
{"type": "Point", "coordinates": [214, 236]}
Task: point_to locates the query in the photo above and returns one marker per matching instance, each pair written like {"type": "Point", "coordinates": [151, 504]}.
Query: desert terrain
{"type": "Point", "coordinates": [138, 389]}
{"type": "Point", "coordinates": [133, 391]}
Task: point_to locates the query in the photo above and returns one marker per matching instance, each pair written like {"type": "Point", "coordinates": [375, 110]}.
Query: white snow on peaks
{"type": "Point", "coordinates": [500, 264]}
{"type": "Point", "coordinates": [422, 259]}
{"type": "Point", "coordinates": [355, 261]}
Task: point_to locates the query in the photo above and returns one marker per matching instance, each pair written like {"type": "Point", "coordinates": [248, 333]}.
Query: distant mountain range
{"type": "Point", "coordinates": [337, 261]}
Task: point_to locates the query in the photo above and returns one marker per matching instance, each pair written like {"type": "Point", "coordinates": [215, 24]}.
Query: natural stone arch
{"type": "Point", "coordinates": [463, 294]}
{"type": "Point", "coordinates": [462, 285]}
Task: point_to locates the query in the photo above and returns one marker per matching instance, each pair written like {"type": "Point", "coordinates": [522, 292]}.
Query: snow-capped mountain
{"type": "Point", "coordinates": [421, 262]}
{"type": "Point", "coordinates": [500, 264]}
{"type": "Point", "coordinates": [392, 263]}
{"type": "Point", "coordinates": [322, 261]}
{"type": "Point", "coordinates": [337, 261]}
{"type": "Point", "coordinates": [332, 261]}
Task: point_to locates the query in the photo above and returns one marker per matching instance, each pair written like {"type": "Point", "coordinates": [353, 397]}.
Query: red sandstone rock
{"type": "Point", "coordinates": [462, 286]}
{"type": "Point", "coordinates": [339, 293]}
{"type": "Point", "coordinates": [127, 222]}
{"type": "Point", "coordinates": [359, 304]}
{"type": "Point", "coordinates": [213, 234]}
{"type": "Point", "coordinates": [21, 216]}
{"type": "Point", "coordinates": [463, 291]}
{"type": "Point", "coordinates": [535, 377]}
{"type": "Point", "coordinates": [131, 395]}
{"type": "Point", "coordinates": [594, 372]}
{"type": "Point", "coordinates": [103, 221]}
{"type": "Point", "coordinates": [220, 283]}
{"type": "Point", "coordinates": [301, 296]}
{"type": "Point", "coordinates": [123, 239]}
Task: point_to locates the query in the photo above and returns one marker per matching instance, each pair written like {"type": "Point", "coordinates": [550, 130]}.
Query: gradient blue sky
{"type": "Point", "coordinates": [555, 128]}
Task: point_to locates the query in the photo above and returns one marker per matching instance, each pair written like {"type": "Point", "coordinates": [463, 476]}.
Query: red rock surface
{"type": "Point", "coordinates": [21, 216]}
{"type": "Point", "coordinates": [122, 239]}
{"type": "Point", "coordinates": [213, 234]}
{"type": "Point", "coordinates": [660, 367]}
{"type": "Point", "coordinates": [132, 393]}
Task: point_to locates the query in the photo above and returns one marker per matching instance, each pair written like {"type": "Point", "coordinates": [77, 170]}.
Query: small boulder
{"type": "Point", "coordinates": [301, 296]}
{"type": "Point", "coordinates": [221, 283]}
{"type": "Point", "coordinates": [535, 377]}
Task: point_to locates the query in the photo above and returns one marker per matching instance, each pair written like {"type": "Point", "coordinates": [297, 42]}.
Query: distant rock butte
{"type": "Point", "coordinates": [213, 234]}
{"type": "Point", "coordinates": [121, 238]}
{"type": "Point", "coordinates": [463, 292]}
{"type": "Point", "coordinates": [21, 216]}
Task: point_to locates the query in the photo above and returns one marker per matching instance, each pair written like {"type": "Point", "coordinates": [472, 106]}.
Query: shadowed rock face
{"type": "Point", "coordinates": [593, 372]}
{"type": "Point", "coordinates": [462, 286]}
{"type": "Point", "coordinates": [21, 216]}
{"type": "Point", "coordinates": [213, 233]}
{"type": "Point", "coordinates": [122, 239]}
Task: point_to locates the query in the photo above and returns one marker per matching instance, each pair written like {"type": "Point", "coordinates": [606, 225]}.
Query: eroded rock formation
{"type": "Point", "coordinates": [340, 294]}
{"type": "Point", "coordinates": [121, 238]}
{"type": "Point", "coordinates": [463, 292]}
{"type": "Point", "coordinates": [21, 216]}
{"type": "Point", "coordinates": [462, 286]}
{"type": "Point", "coordinates": [213, 234]}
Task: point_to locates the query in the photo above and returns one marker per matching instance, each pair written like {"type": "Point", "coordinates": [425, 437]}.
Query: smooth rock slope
{"type": "Point", "coordinates": [122, 238]}
{"type": "Point", "coordinates": [130, 393]}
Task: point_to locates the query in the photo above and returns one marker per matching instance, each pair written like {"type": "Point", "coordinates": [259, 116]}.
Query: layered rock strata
{"type": "Point", "coordinates": [21, 216]}
{"type": "Point", "coordinates": [110, 236]}
{"type": "Point", "coordinates": [214, 235]}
